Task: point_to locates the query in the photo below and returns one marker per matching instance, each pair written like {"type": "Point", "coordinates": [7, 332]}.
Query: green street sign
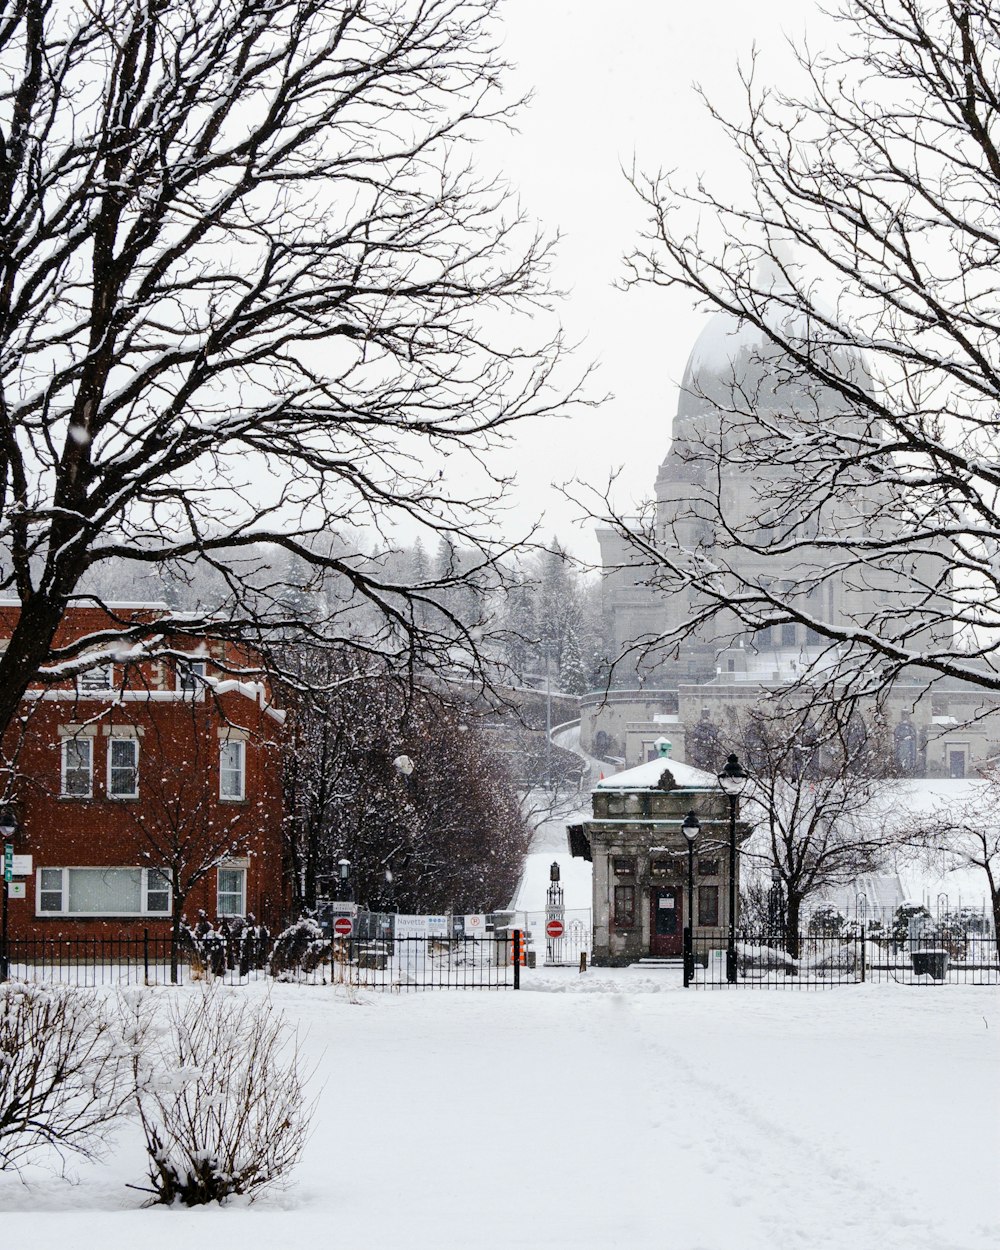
{"type": "Point", "coordinates": [8, 861]}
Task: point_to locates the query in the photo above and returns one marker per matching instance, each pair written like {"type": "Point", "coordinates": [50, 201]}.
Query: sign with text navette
{"type": "Point", "coordinates": [420, 926]}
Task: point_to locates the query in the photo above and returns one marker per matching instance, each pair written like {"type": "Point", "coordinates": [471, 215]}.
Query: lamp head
{"type": "Point", "coordinates": [691, 827]}
{"type": "Point", "coordinates": [732, 778]}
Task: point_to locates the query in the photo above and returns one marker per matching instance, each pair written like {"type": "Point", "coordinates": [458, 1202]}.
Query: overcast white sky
{"type": "Point", "coordinates": [610, 82]}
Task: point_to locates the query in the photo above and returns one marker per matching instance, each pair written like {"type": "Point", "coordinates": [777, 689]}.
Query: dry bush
{"type": "Point", "coordinates": [220, 1095]}
{"type": "Point", "coordinates": [61, 1070]}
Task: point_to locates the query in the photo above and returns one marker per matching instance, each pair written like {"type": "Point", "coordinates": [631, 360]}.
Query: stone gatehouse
{"type": "Point", "coordinates": [640, 858]}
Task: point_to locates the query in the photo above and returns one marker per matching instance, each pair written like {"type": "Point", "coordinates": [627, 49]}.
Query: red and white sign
{"type": "Point", "coordinates": [554, 929]}
{"type": "Point", "coordinates": [342, 926]}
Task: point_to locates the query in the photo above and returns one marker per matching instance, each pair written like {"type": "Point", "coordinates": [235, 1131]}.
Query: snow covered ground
{"type": "Point", "coordinates": [603, 1110]}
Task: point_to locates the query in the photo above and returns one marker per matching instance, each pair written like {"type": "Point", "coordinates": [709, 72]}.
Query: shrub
{"type": "Point", "coordinates": [301, 947]}
{"type": "Point", "coordinates": [753, 958]}
{"type": "Point", "coordinates": [206, 947]}
{"type": "Point", "coordinates": [61, 1069]}
{"type": "Point", "coordinates": [909, 918]}
{"type": "Point", "coordinates": [826, 921]}
{"type": "Point", "coordinates": [220, 1098]}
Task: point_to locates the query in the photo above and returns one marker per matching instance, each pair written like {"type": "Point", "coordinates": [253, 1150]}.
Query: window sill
{"type": "Point", "coordinates": [102, 915]}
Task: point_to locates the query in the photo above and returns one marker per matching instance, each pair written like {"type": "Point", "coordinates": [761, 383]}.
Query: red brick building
{"type": "Point", "coordinates": [142, 783]}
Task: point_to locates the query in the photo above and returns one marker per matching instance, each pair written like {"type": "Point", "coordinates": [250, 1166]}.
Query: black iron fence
{"type": "Point", "coordinates": [406, 963]}
{"type": "Point", "coordinates": [816, 961]}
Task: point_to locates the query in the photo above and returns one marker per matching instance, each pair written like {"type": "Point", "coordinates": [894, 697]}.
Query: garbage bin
{"type": "Point", "coordinates": [933, 963]}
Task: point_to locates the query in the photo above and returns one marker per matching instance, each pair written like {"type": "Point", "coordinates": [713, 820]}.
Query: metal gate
{"type": "Point", "coordinates": [564, 950]}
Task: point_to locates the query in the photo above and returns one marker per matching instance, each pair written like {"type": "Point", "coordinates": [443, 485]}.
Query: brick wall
{"type": "Point", "coordinates": [207, 787]}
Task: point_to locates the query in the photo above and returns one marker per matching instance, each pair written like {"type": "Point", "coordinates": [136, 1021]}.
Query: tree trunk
{"type": "Point", "coordinates": [29, 647]}
{"type": "Point", "coordinates": [792, 924]}
{"type": "Point", "coordinates": [177, 911]}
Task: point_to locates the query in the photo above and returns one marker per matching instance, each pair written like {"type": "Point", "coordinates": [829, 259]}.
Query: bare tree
{"type": "Point", "coordinates": [963, 835]}
{"type": "Point", "coordinates": [818, 797]}
{"type": "Point", "coordinates": [443, 832]}
{"type": "Point", "coordinates": [858, 269]}
{"type": "Point", "coordinates": [180, 828]}
{"type": "Point", "coordinates": [252, 293]}
{"type": "Point", "coordinates": [61, 1069]}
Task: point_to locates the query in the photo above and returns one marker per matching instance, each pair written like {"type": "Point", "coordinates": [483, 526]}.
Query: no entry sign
{"type": "Point", "coordinates": [554, 929]}
{"type": "Point", "coordinates": [342, 926]}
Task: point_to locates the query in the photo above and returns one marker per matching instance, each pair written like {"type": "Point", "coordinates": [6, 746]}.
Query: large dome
{"type": "Point", "coordinates": [732, 352]}
{"type": "Point", "coordinates": [722, 340]}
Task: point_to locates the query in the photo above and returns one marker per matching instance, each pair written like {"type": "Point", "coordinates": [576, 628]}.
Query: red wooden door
{"type": "Point", "coordinates": [666, 927]}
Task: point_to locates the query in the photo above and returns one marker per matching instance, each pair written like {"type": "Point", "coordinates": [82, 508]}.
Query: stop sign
{"type": "Point", "coordinates": [554, 929]}
{"type": "Point", "coordinates": [342, 926]}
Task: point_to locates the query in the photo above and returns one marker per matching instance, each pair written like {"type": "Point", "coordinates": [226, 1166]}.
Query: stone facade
{"type": "Point", "coordinates": [940, 730]}
{"type": "Point", "coordinates": [640, 859]}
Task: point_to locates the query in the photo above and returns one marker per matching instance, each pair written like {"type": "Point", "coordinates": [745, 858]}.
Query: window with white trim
{"type": "Point", "coordinates": [231, 892]}
{"type": "Point", "coordinates": [123, 768]}
{"type": "Point", "coordinates": [232, 769]}
{"type": "Point", "coordinates": [77, 767]}
{"type": "Point", "coordinates": [102, 892]}
{"type": "Point", "coordinates": [101, 677]}
{"type": "Point", "coordinates": [191, 676]}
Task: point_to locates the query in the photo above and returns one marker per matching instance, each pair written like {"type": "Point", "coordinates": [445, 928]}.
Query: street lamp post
{"type": "Point", "coordinates": [690, 829]}
{"type": "Point", "coordinates": [344, 868]}
{"type": "Point", "coordinates": [732, 779]}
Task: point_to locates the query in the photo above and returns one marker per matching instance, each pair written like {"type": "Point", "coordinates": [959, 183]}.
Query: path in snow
{"type": "Point", "coordinates": [857, 1118]}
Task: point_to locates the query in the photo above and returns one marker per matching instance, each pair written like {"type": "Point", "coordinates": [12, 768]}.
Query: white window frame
{"type": "Point", "coordinates": [190, 676]}
{"type": "Point", "coordinates": [241, 869]}
{"type": "Point", "coordinates": [63, 910]}
{"type": "Point", "coordinates": [240, 771]}
{"type": "Point", "coordinates": [97, 680]}
{"type": "Point", "coordinates": [123, 794]}
{"type": "Point", "coordinates": [76, 794]}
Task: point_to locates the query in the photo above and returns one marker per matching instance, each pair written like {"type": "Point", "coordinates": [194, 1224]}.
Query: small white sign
{"type": "Point", "coordinates": [16, 889]}
{"type": "Point", "coordinates": [475, 925]}
{"type": "Point", "coordinates": [437, 926]}
{"type": "Point", "coordinates": [666, 902]}
{"type": "Point", "coordinates": [22, 866]}
{"type": "Point", "coordinates": [410, 926]}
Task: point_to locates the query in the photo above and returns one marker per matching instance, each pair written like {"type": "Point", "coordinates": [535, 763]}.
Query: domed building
{"type": "Point", "coordinates": [737, 393]}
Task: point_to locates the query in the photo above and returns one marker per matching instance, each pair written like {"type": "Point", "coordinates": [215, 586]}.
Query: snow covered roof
{"type": "Point", "coordinates": [726, 340]}
{"type": "Point", "coordinates": [720, 342]}
{"type": "Point", "coordinates": [647, 776]}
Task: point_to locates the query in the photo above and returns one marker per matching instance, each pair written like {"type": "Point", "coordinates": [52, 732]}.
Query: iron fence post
{"type": "Point", "coordinates": [516, 957]}
{"type": "Point", "coordinates": [4, 937]}
{"type": "Point", "coordinates": [145, 955]}
{"type": "Point", "coordinates": [863, 953]}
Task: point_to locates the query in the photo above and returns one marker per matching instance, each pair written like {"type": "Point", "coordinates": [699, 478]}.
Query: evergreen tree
{"type": "Point", "coordinates": [572, 677]}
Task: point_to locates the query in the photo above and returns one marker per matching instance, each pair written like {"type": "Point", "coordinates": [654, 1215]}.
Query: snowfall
{"type": "Point", "coordinates": [603, 1109]}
